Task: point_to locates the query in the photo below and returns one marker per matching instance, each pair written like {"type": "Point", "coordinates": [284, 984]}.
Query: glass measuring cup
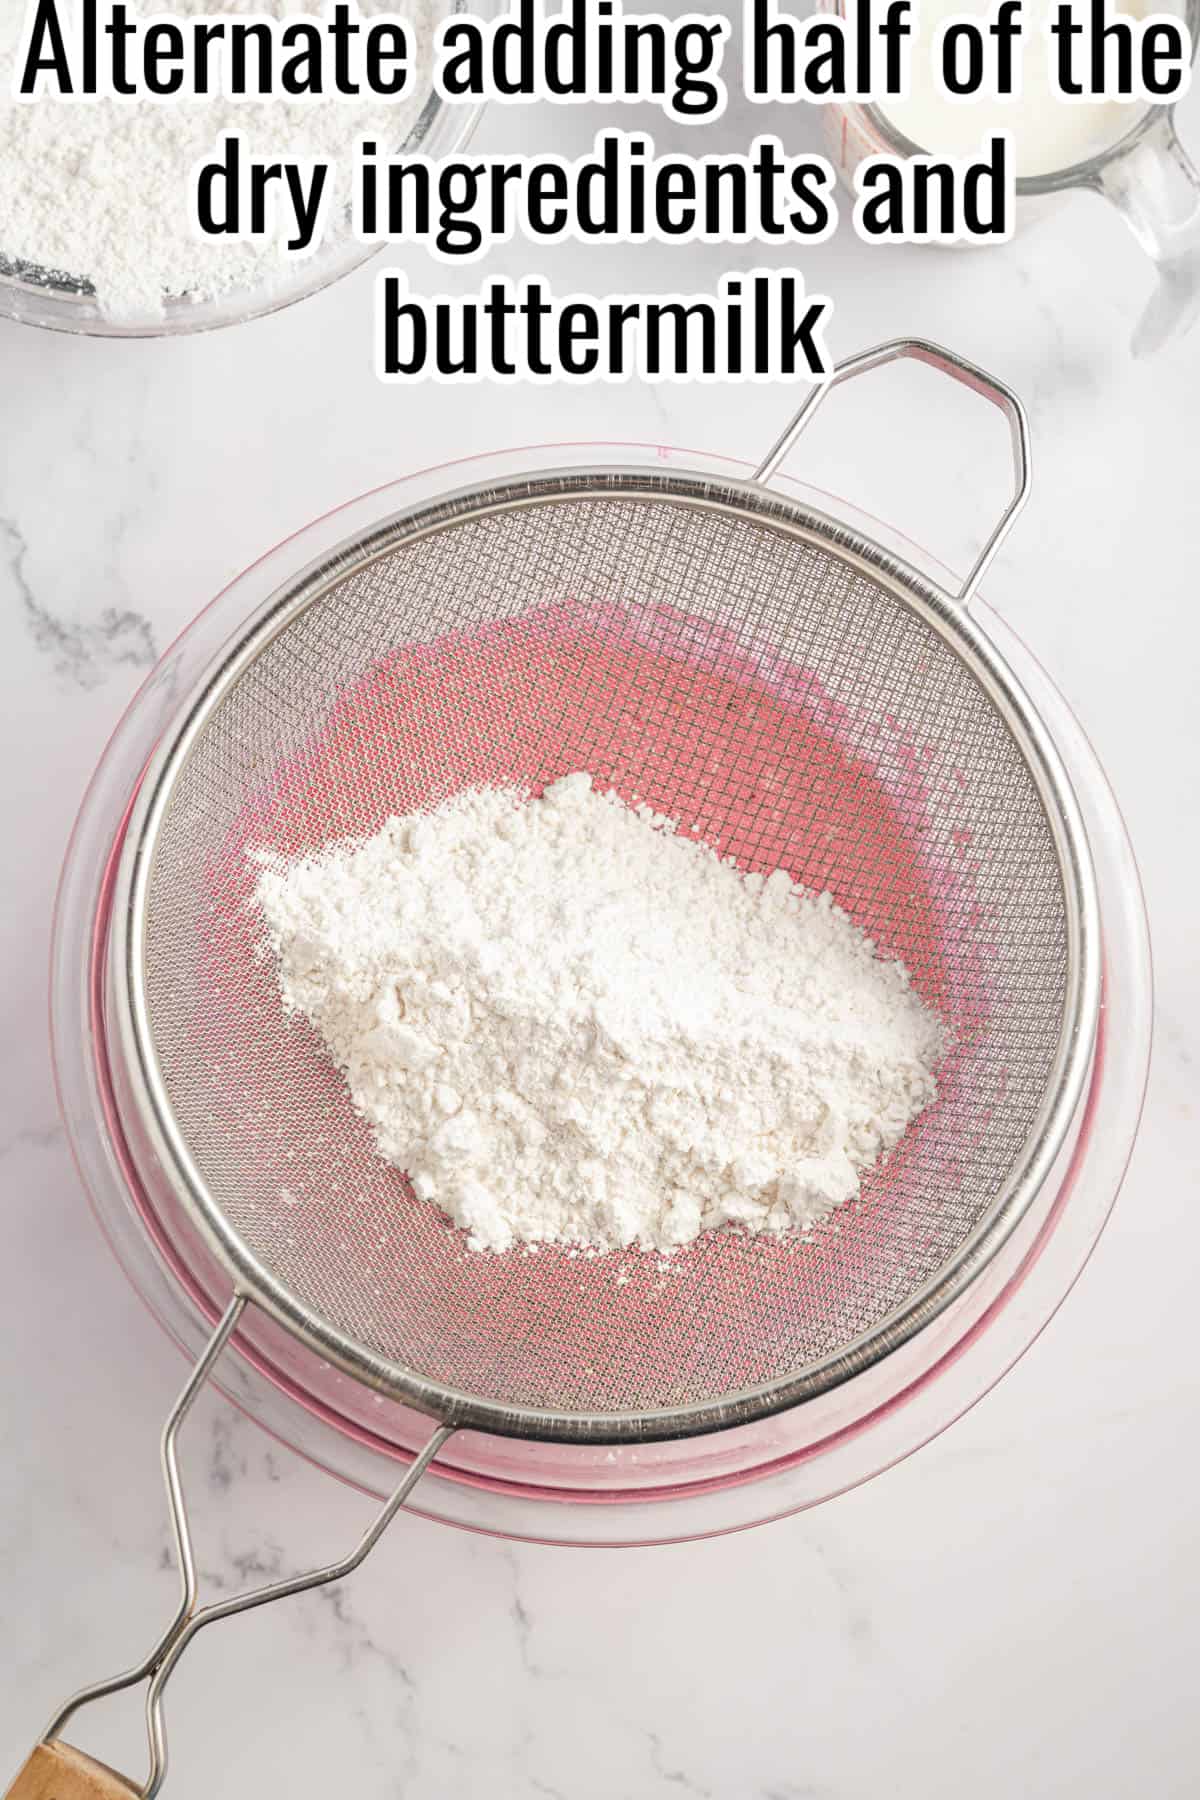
{"type": "Point", "coordinates": [1145, 173]}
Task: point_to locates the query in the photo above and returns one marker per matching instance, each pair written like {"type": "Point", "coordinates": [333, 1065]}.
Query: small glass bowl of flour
{"type": "Point", "coordinates": [94, 229]}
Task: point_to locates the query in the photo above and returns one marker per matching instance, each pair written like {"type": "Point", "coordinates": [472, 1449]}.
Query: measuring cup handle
{"type": "Point", "coordinates": [1156, 189]}
{"type": "Point", "coordinates": [960, 370]}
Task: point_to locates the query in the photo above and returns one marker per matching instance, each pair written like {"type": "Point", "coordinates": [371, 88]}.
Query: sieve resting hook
{"type": "Point", "coordinates": [959, 369]}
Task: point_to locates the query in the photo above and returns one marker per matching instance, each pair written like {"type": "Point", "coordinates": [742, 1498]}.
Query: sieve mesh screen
{"type": "Point", "coordinates": [784, 705]}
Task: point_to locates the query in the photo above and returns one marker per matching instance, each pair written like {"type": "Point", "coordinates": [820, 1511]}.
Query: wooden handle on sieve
{"type": "Point", "coordinates": [57, 1772]}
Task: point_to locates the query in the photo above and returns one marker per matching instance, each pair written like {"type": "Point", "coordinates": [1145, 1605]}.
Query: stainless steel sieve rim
{"type": "Point", "coordinates": [128, 1013]}
{"type": "Point", "coordinates": [738, 499]}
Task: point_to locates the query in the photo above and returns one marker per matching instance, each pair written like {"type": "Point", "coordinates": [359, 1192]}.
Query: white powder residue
{"type": "Point", "coordinates": [98, 190]}
{"type": "Point", "coordinates": [568, 1023]}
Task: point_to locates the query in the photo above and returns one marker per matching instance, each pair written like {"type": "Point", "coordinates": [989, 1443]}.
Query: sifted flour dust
{"type": "Point", "coordinates": [569, 1023]}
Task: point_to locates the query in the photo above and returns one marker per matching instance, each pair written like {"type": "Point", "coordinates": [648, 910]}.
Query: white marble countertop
{"type": "Point", "coordinates": [1012, 1611]}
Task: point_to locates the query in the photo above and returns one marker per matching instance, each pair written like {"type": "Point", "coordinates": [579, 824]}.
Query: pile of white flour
{"type": "Point", "coordinates": [570, 1024]}
{"type": "Point", "coordinates": [98, 190]}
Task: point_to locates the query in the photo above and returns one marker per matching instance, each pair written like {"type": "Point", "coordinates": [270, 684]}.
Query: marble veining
{"type": "Point", "coordinates": [78, 651]}
{"type": "Point", "coordinates": [1013, 1610]}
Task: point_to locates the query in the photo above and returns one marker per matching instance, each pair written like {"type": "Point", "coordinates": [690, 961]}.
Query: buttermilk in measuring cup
{"type": "Point", "coordinates": [1048, 132]}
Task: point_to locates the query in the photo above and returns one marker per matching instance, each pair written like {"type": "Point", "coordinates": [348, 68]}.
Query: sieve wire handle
{"type": "Point", "coordinates": [959, 369]}
{"type": "Point", "coordinates": [56, 1771]}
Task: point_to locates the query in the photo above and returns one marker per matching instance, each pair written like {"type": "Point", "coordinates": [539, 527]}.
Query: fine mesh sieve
{"type": "Point", "coordinates": [791, 695]}
{"type": "Point", "coordinates": [701, 647]}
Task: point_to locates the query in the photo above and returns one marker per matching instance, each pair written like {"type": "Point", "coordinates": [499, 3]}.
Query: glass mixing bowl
{"type": "Point", "coordinates": [560, 1493]}
{"type": "Point", "coordinates": [33, 297]}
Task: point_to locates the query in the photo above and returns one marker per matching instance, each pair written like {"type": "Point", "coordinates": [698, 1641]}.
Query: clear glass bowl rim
{"type": "Point", "coordinates": [727, 1487]}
